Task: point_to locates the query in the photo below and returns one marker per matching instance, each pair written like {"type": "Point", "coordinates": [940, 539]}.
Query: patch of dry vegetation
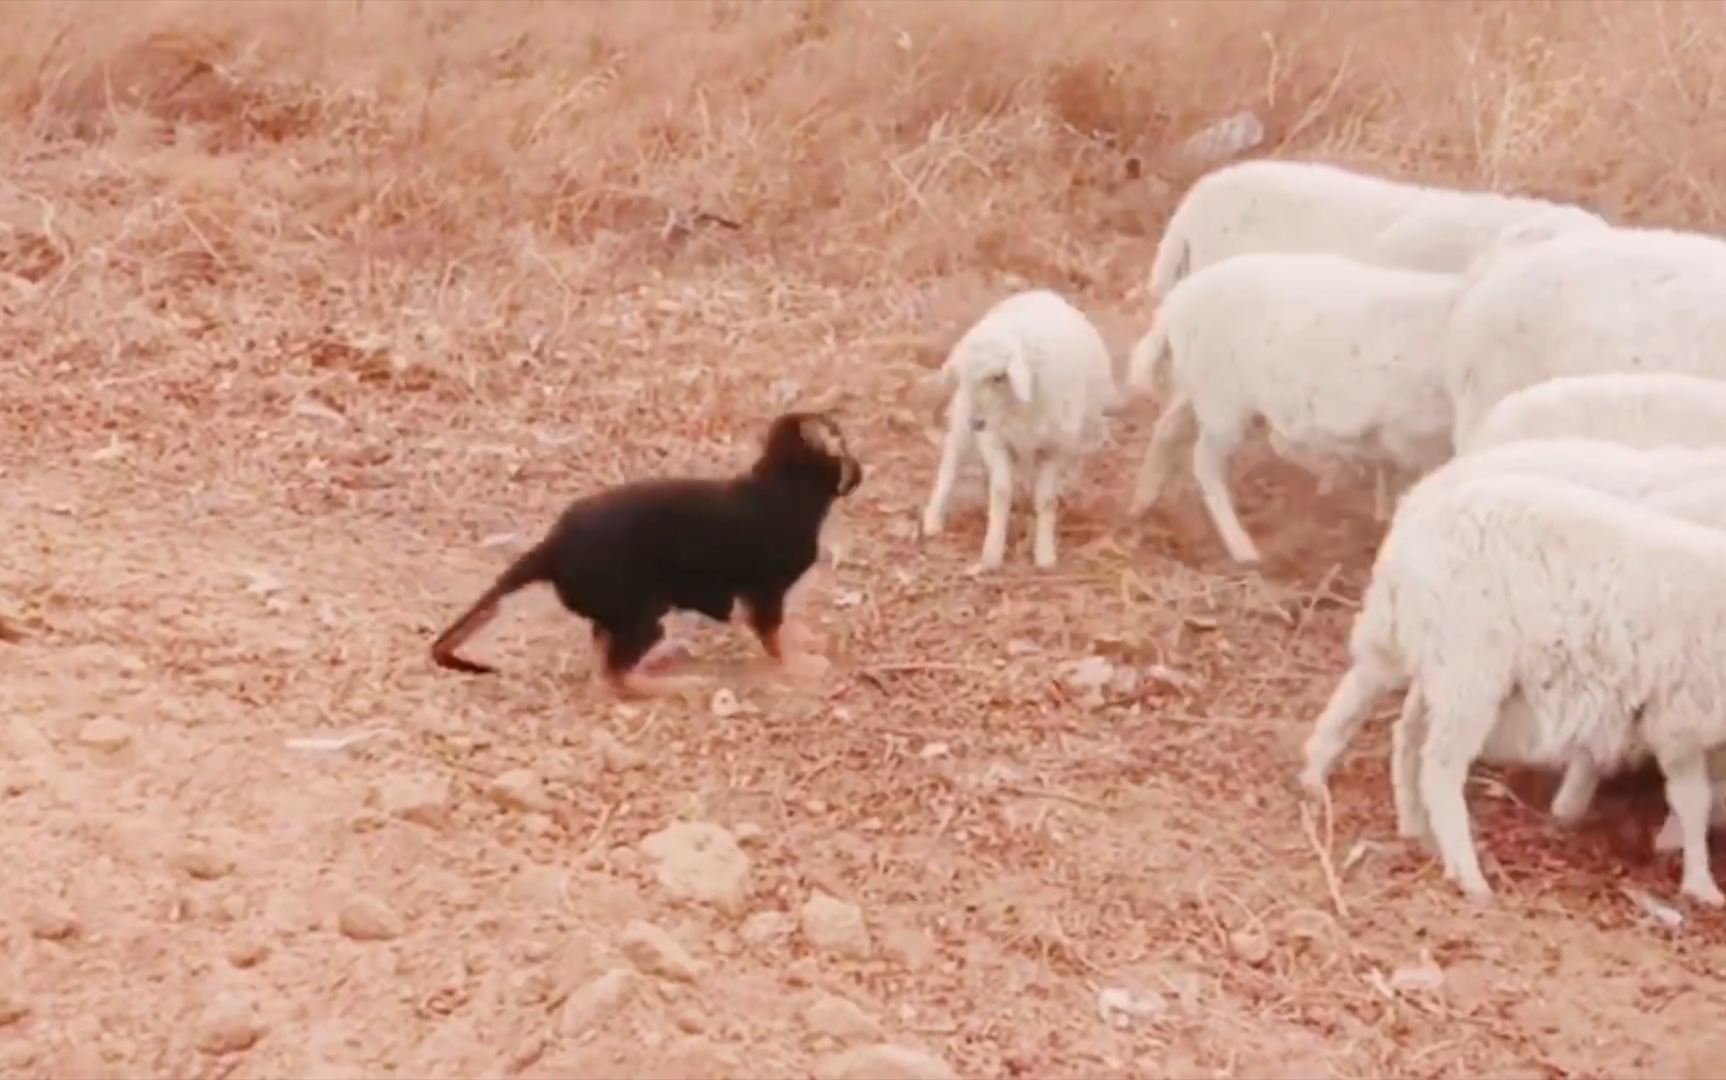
{"type": "Point", "coordinates": [342, 288]}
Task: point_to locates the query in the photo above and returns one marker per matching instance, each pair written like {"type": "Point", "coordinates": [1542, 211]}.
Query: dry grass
{"type": "Point", "coordinates": [303, 301]}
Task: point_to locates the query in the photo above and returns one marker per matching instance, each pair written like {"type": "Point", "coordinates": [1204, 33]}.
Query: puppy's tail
{"type": "Point", "coordinates": [525, 571]}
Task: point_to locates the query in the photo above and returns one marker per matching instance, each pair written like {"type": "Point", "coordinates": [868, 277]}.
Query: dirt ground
{"type": "Point", "coordinates": [315, 314]}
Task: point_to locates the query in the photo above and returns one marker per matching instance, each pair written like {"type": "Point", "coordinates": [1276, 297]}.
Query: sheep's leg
{"type": "Point", "coordinates": [1690, 796]}
{"type": "Point", "coordinates": [1576, 791]}
{"type": "Point", "coordinates": [1461, 708]}
{"type": "Point", "coordinates": [1176, 426]}
{"type": "Point", "coordinates": [1326, 481]}
{"type": "Point", "coordinates": [1380, 495]}
{"type": "Point", "coordinates": [1046, 498]}
{"type": "Point", "coordinates": [959, 437]}
{"type": "Point", "coordinates": [1407, 736]}
{"type": "Point", "coordinates": [1000, 466]}
{"type": "Point", "coordinates": [1341, 720]}
{"type": "Point", "coordinates": [1210, 468]}
{"type": "Point", "coordinates": [1670, 839]}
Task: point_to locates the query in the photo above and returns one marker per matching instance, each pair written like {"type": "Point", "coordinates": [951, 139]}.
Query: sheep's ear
{"type": "Point", "coordinates": [1019, 378]}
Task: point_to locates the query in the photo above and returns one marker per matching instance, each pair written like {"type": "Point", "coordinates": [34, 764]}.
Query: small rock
{"type": "Point", "coordinates": [840, 1019]}
{"type": "Point", "coordinates": [699, 861]}
{"type": "Point", "coordinates": [519, 789]}
{"type": "Point", "coordinates": [13, 1008]}
{"type": "Point", "coordinates": [1425, 977]}
{"type": "Point", "coordinates": [596, 1000]}
{"type": "Point", "coordinates": [748, 833]}
{"type": "Point", "coordinates": [614, 755]}
{"type": "Point", "coordinates": [832, 925]}
{"type": "Point", "coordinates": [1119, 1007]}
{"type": "Point", "coordinates": [912, 947]}
{"type": "Point", "coordinates": [1091, 673]}
{"type": "Point", "coordinates": [655, 952]}
{"type": "Point", "coordinates": [248, 952]}
{"type": "Point", "coordinates": [691, 1020]}
{"type": "Point", "coordinates": [767, 929]}
{"type": "Point", "coordinates": [883, 1061]}
{"type": "Point", "coordinates": [228, 1025]}
{"type": "Point", "coordinates": [422, 798]}
{"type": "Point", "coordinates": [1250, 946]}
{"type": "Point", "coordinates": [53, 920]}
{"type": "Point", "coordinates": [366, 918]}
{"type": "Point", "coordinates": [106, 734]}
{"type": "Point", "coordinates": [204, 861]}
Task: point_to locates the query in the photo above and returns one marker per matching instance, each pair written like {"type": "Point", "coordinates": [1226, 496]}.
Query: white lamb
{"type": "Point", "coordinates": [1271, 205]}
{"type": "Point", "coordinates": [1683, 481]}
{"type": "Point", "coordinates": [1635, 408]}
{"type": "Point", "coordinates": [1337, 356]}
{"type": "Point", "coordinates": [1608, 617]}
{"type": "Point", "coordinates": [1033, 380]}
{"type": "Point", "coordinates": [1585, 302]}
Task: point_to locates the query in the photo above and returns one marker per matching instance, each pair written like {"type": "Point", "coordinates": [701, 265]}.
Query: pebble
{"type": "Point", "coordinates": [106, 734]}
{"type": "Point", "coordinates": [519, 789]}
{"type": "Point", "coordinates": [53, 920]}
{"type": "Point", "coordinates": [883, 1061]}
{"type": "Point", "coordinates": [202, 860]}
{"type": "Point", "coordinates": [422, 798]}
{"type": "Point", "coordinates": [834, 926]}
{"type": "Point", "coordinates": [842, 1020]}
{"type": "Point", "coordinates": [767, 929]}
{"type": "Point", "coordinates": [228, 1025]}
{"type": "Point", "coordinates": [655, 952]}
{"type": "Point", "coordinates": [590, 1003]}
{"type": "Point", "coordinates": [615, 755]}
{"type": "Point", "coordinates": [366, 918]}
{"type": "Point", "coordinates": [700, 862]}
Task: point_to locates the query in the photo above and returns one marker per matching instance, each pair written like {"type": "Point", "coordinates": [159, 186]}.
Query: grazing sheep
{"type": "Point", "coordinates": [1585, 302]}
{"type": "Point", "coordinates": [1337, 356]}
{"type": "Point", "coordinates": [1633, 408]}
{"type": "Point", "coordinates": [1604, 615]}
{"type": "Point", "coordinates": [1683, 481]}
{"type": "Point", "coordinates": [1034, 379]}
{"type": "Point", "coordinates": [1270, 205]}
{"type": "Point", "coordinates": [625, 557]}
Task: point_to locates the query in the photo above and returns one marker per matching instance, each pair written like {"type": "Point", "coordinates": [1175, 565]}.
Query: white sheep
{"type": "Point", "coordinates": [1033, 380]}
{"type": "Point", "coordinates": [1607, 617]}
{"type": "Point", "coordinates": [1271, 205]}
{"type": "Point", "coordinates": [1683, 481]}
{"type": "Point", "coordinates": [1337, 356]}
{"type": "Point", "coordinates": [1634, 408]}
{"type": "Point", "coordinates": [1586, 302]}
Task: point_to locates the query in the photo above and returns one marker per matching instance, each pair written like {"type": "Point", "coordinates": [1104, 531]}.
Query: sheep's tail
{"type": "Point", "coordinates": [1173, 258]}
{"type": "Point", "coordinates": [1373, 640]}
{"type": "Point", "coordinates": [1148, 355]}
{"type": "Point", "coordinates": [529, 569]}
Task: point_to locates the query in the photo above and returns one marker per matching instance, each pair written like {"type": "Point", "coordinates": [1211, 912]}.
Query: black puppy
{"type": "Point", "coordinates": [624, 558]}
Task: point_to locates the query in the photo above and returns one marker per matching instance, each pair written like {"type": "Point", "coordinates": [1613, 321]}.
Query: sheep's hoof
{"type": "Point", "coordinates": [1704, 892]}
{"type": "Point", "coordinates": [981, 567]}
{"type": "Point", "coordinates": [1045, 560]}
{"type": "Point", "coordinates": [932, 526]}
{"type": "Point", "coordinates": [1475, 890]}
{"type": "Point", "coordinates": [1312, 779]}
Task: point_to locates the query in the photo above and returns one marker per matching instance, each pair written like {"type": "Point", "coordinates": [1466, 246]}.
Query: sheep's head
{"type": "Point", "coordinates": [1539, 227]}
{"type": "Point", "coordinates": [998, 375]}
